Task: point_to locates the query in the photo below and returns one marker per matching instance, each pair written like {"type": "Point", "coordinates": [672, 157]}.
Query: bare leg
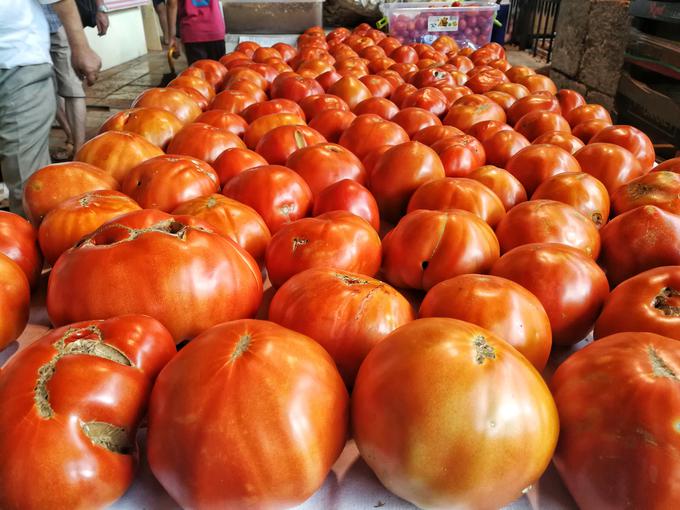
{"type": "Point", "coordinates": [76, 112]}
{"type": "Point", "coordinates": [63, 120]}
{"type": "Point", "coordinates": [163, 18]}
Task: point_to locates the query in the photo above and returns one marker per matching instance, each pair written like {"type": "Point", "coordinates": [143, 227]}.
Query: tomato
{"type": "Point", "coordinates": [378, 106]}
{"type": "Point", "coordinates": [538, 83]}
{"type": "Point", "coordinates": [350, 90]}
{"type": "Point", "coordinates": [399, 172]}
{"type": "Point", "coordinates": [415, 119]}
{"type": "Point", "coordinates": [327, 79]}
{"type": "Point", "coordinates": [203, 141]}
{"type": "Point", "coordinates": [277, 193]}
{"type": "Point", "coordinates": [463, 63]}
{"type": "Point", "coordinates": [198, 73]}
{"type": "Point", "coordinates": [222, 119]}
{"type": "Point", "coordinates": [257, 110]}
{"type": "Point", "coordinates": [75, 397]}
{"type": "Point", "coordinates": [214, 71]}
{"type": "Point", "coordinates": [324, 164]}
{"type": "Point", "coordinates": [460, 155]}
{"type": "Point", "coordinates": [548, 221]}
{"type": "Point", "coordinates": [404, 54]}
{"type": "Point", "coordinates": [393, 77]}
{"type": "Point", "coordinates": [200, 85]}
{"type": "Point", "coordinates": [379, 65]}
{"type": "Point", "coordinates": [159, 265]}
{"type": "Point", "coordinates": [484, 130]}
{"type": "Point", "coordinates": [498, 305]}
{"type": "Point", "coordinates": [530, 103]}
{"type": "Point", "coordinates": [567, 141]}
{"type": "Point", "coordinates": [286, 51]}
{"type": "Point", "coordinates": [537, 163]}
{"type": "Point", "coordinates": [502, 183]}
{"type": "Point", "coordinates": [427, 98]}
{"type": "Point", "coordinates": [514, 89]}
{"type": "Point", "coordinates": [569, 284]}
{"type": "Point", "coordinates": [670, 165]}
{"type": "Point", "coordinates": [262, 54]}
{"type": "Point", "coordinates": [377, 85]}
{"type": "Point", "coordinates": [539, 122]}
{"type": "Point", "coordinates": [19, 242]}
{"type": "Point", "coordinates": [195, 96]}
{"type": "Point", "coordinates": [503, 145]}
{"type": "Point", "coordinates": [401, 93]}
{"type": "Point", "coordinates": [473, 100]}
{"type": "Point", "coordinates": [279, 143]}
{"type": "Point", "coordinates": [642, 238]}
{"type": "Point", "coordinates": [332, 123]}
{"type": "Point", "coordinates": [432, 77]}
{"type": "Point", "coordinates": [172, 100]}
{"type": "Point", "coordinates": [253, 88]}
{"type": "Point", "coordinates": [156, 125]}
{"type": "Point", "coordinates": [234, 161]}
{"type": "Point", "coordinates": [263, 125]}
{"type": "Point", "coordinates": [502, 99]}
{"type": "Point", "coordinates": [421, 400]}
{"type": "Point", "coordinates": [337, 239]}
{"type": "Point", "coordinates": [453, 94]}
{"type": "Point", "coordinates": [580, 190]}
{"type": "Point", "coordinates": [295, 88]}
{"type": "Point", "coordinates": [247, 48]}
{"type": "Point", "coordinates": [313, 106]}
{"type": "Point", "coordinates": [348, 195]}
{"type": "Point", "coordinates": [611, 164]}
{"type": "Point", "coordinates": [275, 465]}
{"type": "Point", "coordinates": [459, 193]}
{"type": "Point", "coordinates": [230, 219]}
{"type": "Point", "coordinates": [117, 152]}
{"type": "Point", "coordinates": [78, 216]}
{"type": "Point", "coordinates": [569, 100]}
{"type": "Point", "coordinates": [618, 405]}
{"type": "Point", "coordinates": [368, 132]}
{"type": "Point", "coordinates": [486, 80]}
{"type": "Point", "coordinates": [661, 189]}
{"type": "Point", "coordinates": [233, 101]}
{"type": "Point", "coordinates": [15, 304]}
{"type": "Point", "coordinates": [432, 134]}
{"type": "Point", "coordinates": [585, 113]}
{"type": "Point", "coordinates": [427, 247]}
{"type": "Point", "coordinates": [465, 116]}
{"type": "Point", "coordinates": [586, 130]}
{"type": "Point", "coordinates": [629, 138]}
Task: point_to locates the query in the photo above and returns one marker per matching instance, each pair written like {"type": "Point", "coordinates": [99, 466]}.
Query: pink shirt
{"type": "Point", "coordinates": [201, 21]}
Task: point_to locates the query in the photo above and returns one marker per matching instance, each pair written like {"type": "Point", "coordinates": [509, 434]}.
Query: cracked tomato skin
{"type": "Point", "coordinates": [425, 422]}
{"type": "Point", "coordinates": [619, 408]}
{"type": "Point", "coordinates": [337, 239]}
{"type": "Point", "coordinates": [176, 269]}
{"type": "Point", "coordinates": [427, 247]}
{"type": "Point", "coordinates": [659, 188]}
{"type": "Point", "coordinates": [646, 302]}
{"type": "Point", "coordinates": [347, 313]}
{"type": "Point", "coordinates": [251, 415]}
{"type": "Point", "coordinates": [72, 401]}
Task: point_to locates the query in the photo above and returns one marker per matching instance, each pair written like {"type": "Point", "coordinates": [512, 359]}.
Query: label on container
{"type": "Point", "coordinates": [442, 23]}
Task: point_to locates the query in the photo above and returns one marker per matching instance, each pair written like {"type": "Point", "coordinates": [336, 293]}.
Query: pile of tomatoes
{"type": "Point", "coordinates": [432, 222]}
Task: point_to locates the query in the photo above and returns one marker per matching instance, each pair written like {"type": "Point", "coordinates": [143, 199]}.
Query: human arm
{"type": "Point", "coordinates": [85, 62]}
{"type": "Point", "coordinates": [171, 6]}
{"type": "Point", "coordinates": [102, 18]}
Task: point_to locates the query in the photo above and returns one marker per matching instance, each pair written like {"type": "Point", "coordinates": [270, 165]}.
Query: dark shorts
{"type": "Point", "coordinates": [200, 50]}
{"type": "Point", "coordinates": [156, 2]}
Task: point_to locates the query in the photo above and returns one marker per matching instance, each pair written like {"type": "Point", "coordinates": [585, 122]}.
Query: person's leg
{"type": "Point", "coordinates": [162, 13]}
{"type": "Point", "coordinates": [63, 120]}
{"type": "Point", "coordinates": [195, 51]}
{"type": "Point", "coordinates": [27, 108]}
{"type": "Point", "coordinates": [76, 112]}
{"type": "Point", "coordinates": [216, 49]}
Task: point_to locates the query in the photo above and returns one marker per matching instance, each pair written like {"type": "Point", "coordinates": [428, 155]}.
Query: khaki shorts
{"type": "Point", "coordinates": [67, 83]}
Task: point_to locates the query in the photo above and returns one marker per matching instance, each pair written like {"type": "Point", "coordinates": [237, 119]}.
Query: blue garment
{"type": "Point", "coordinates": [52, 18]}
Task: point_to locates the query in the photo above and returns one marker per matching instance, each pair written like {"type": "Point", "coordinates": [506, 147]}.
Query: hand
{"type": "Point", "coordinates": [86, 63]}
{"type": "Point", "coordinates": [172, 43]}
{"type": "Point", "coordinates": [102, 23]}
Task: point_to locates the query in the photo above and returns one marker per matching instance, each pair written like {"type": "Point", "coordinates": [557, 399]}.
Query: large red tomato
{"type": "Point", "coordinates": [336, 239]}
{"type": "Point", "coordinates": [585, 113]}
{"type": "Point", "coordinates": [222, 119]}
{"type": "Point", "coordinates": [279, 143]}
{"type": "Point", "coordinates": [567, 141]}
{"type": "Point", "coordinates": [315, 105]}
{"type": "Point", "coordinates": [368, 132]}
{"type": "Point", "coordinates": [378, 86]}
{"type": "Point", "coordinates": [15, 303]}
{"type": "Point", "coordinates": [537, 163]}
{"type": "Point", "coordinates": [277, 193]}
{"type": "Point", "coordinates": [424, 421]}
{"type": "Point", "coordinates": [639, 239]}
{"type": "Point", "coordinates": [661, 189]}
{"type": "Point", "coordinates": [257, 110]}
{"type": "Point", "coordinates": [117, 152]}
{"type": "Point", "coordinates": [428, 98]}
{"type": "Point", "coordinates": [579, 190]}
{"type": "Point", "coordinates": [200, 85]}
{"type": "Point", "coordinates": [156, 264]}
{"type": "Point", "coordinates": [348, 195]}
{"type": "Point", "coordinates": [234, 161]}
{"type": "Point", "coordinates": [516, 90]}
{"type": "Point", "coordinates": [485, 129]}
{"type": "Point", "coordinates": [531, 103]}
{"type": "Point", "coordinates": [332, 123]}
{"type": "Point", "coordinates": [459, 193]}
{"type": "Point", "coordinates": [213, 70]}
{"type": "Point", "coordinates": [378, 106]}
{"type": "Point", "coordinates": [259, 383]}
{"type": "Point", "coordinates": [263, 125]}
{"type": "Point", "coordinates": [78, 216]}
{"type": "Point", "coordinates": [166, 181]}
{"type": "Point", "coordinates": [203, 141]}
{"type": "Point", "coordinates": [569, 284]}
{"type": "Point", "coordinates": [570, 100]}
{"type": "Point", "coordinates": [172, 100]}
{"type": "Point", "coordinates": [611, 164]}
{"type": "Point", "coordinates": [156, 125]}
{"type": "Point", "coordinates": [432, 134]}
{"type": "Point", "coordinates": [233, 101]}
{"type": "Point", "coordinates": [19, 242]}
{"type": "Point", "coordinates": [231, 219]}
{"type": "Point", "coordinates": [460, 155]}
{"type": "Point", "coordinates": [585, 131]}
{"type": "Point", "coordinates": [415, 119]}
{"type": "Point", "coordinates": [499, 305]}
{"type": "Point", "coordinates": [72, 401]}
{"type": "Point", "coordinates": [618, 404]}
{"type": "Point", "coordinates": [399, 172]}
{"type": "Point", "coordinates": [502, 183]}
{"type": "Point", "coordinates": [464, 116]}
{"type": "Point", "coordinates": [427, 247]}
{"type": "Point", "coordinates": [670, 165]}
{"type": "Point", "coordinates": [486, 80]}
{"type": "Point", "coordinates": [548, 221]}
{"type": "Point", "coordinates": [324, 164]}
{"type": "Point", "coordinates": [538, 83]}
{"type": "Point", "coordinates": [503, 145]}
{"type": "Point", "coordinates": [295, 88]}
{"type": "Point", "coordinates": [539, 122]}
{"type": "Point", "coordinates": [347, 313]}
{"type": "Point", "coordinates": [629, 138]}
{"type": "Point", "coordinates": [53, 184]}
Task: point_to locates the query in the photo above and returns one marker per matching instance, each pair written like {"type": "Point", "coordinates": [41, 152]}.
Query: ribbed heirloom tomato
{"type": "Point", "coordinates": [425, 422]}
{"type": "Point", "coordinates": [160, 265]}
{"type": "Point", "coordinates": [347, 313]}
{"type": "Point", "coordinates": [348, 195]}
{"type": "Point", "coordinates": [156, 125]}
{"type": "Point", "coordinates": [537, 163]}
{"type": "Point", "coordinates": [203, 141]}
{"type": "Point", "coordinates": [234, 161]}
{"type": "Point", "coordinates": [612, 165]}
{"type": "Point", "coordinates": [618, 403]}
{"type": "Point", "coordinates": [171, 100]}
{"type": "Point", "coordinates": [502, 183]}
{"type": "Point", "coordinates": [278, 144]}
{"type": "Point", "coordinates": [268, 423]}
{"type": "Point", "coordinates": [222, 119]}
{"type": "Point", "coordinates": [72, 401]}
{"type": "Point", "coordinates": [368, 132]}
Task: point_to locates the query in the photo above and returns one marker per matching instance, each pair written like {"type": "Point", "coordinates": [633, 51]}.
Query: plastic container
{"type": "Point", "coordinates": [272, 16]}
{"type": "Point", "coordinates": [470, 24]}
